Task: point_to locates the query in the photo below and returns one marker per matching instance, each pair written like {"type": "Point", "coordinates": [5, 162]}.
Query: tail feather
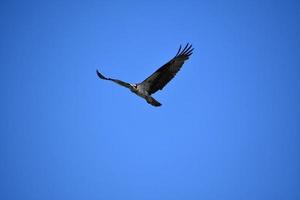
{"type": "Point", "coordinates": [152, 101]}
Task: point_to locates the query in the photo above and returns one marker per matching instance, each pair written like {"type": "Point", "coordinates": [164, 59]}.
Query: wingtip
{"type": "Point", "coordinates": [100, 75]}
{"type": "Point", "coordinates": [187, 50]}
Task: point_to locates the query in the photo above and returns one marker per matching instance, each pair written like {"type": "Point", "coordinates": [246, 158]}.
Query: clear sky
{"type": "Point", "coordinates": [229, 126]}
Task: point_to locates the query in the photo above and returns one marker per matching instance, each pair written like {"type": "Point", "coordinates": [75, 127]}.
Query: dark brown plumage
{"type": "Point", "coordinates": [159, 79]}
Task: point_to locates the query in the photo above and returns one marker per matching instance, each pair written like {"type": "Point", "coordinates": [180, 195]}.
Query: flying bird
{"type": "Point", "coordinates": [159, 79]}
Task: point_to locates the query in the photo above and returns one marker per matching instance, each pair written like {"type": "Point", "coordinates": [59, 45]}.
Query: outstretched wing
{"type": "Point", "coordinates": [164, 74]}
{"type": "Point", "coordinates": [122, 83]}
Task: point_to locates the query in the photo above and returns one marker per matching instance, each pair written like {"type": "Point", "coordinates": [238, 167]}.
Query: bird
{"type": "Point", "coordinates": [159, 79]}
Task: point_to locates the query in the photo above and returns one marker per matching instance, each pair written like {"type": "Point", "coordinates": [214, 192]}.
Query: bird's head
{"type": "Point", "coordinates": [134, 86]}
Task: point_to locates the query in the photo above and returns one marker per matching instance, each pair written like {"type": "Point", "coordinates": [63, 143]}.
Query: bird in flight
{"type": "Point", "coordinates": [159, 79]}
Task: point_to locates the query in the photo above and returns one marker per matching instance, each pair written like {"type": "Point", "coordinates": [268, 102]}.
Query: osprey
{"type": "Point", "coordinates": [158, 79]}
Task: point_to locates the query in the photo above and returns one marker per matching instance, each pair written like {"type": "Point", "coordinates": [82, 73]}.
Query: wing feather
{"type": "Point", "coordinates": [122, 83]}
{"type": "Point", "coordinates": [161, 77]}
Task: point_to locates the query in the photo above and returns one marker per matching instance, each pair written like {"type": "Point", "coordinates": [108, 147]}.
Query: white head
{"type": "Point", "coordinates": [134, 85]}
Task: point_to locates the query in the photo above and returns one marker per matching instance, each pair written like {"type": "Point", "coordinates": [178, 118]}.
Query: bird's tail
{"type": "Point", "coordinates": [152, 101]}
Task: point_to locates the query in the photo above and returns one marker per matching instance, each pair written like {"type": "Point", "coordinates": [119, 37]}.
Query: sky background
{"type": "Point", "coordinates": [229, 126]}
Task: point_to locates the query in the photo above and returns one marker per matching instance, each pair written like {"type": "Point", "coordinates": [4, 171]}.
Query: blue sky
{"type": "Point", "coordinates": [228, 127]}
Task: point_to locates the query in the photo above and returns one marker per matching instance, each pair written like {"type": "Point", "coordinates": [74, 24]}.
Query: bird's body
{"type": "Point", "coordinates": [142, 92]}
{"type": "Point", "coordinates": [158, 79]}
{"type": "Point", "coordinates": [139, 90]}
